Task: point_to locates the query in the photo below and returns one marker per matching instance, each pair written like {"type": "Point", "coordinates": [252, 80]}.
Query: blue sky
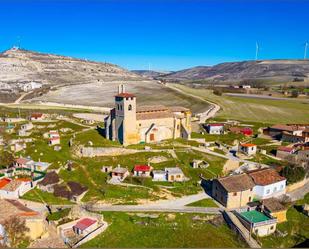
{"type": "Point", "coordinates": [168, 35]}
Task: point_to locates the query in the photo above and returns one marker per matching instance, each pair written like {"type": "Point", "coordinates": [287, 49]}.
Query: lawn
{"type": "Point", "coordinates": [203, 203]}
{"type": "Point", "coordinates": [249, 109]}
{"type": "Point", "coordinates": [44, 197]}
{"type": "Point", "coordinates": [164, 231]}
{"type": "Point", "coordinates": [224, 138]}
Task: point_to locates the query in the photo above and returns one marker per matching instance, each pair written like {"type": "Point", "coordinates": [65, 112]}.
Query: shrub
{"type": "Point", "coordinates": [293, 173]}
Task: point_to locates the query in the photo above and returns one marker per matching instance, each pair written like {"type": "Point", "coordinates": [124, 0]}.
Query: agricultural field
{"type": "Point", "coordinates": [164, 231]}
{"type": "Point", "coordinates": [250, 109]}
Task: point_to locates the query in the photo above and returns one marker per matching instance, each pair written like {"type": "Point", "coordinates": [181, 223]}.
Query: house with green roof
{"type": "Point", "coordinates": [259, 223]}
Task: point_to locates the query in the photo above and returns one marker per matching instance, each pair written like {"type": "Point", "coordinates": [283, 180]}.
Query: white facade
{"type": "Point", "coordinates": [23, 188]}
{"type": "Point", "coordinates": [248, 150]}
{"type": "Point", "coordinates": [159, 176]}
{"type": "Point", "coordinates": [215, 129]}
{"type": "Point", "coordinates": [271, 190]}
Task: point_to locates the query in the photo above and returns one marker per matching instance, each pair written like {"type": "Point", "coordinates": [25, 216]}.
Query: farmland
{"type": "Point", "coordinates": [250, 109]}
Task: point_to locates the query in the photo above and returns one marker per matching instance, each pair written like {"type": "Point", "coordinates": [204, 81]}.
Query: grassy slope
{"type": "Point", "coordinates": [161, 232]}
{"type": "Point", "coordinates": [203, 203]}
{"type": "Point", "coordinates": [270, 111]}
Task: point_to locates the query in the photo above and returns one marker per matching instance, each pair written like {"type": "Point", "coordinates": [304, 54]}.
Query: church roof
{"type": "Point", "coordinates": [154, 115]}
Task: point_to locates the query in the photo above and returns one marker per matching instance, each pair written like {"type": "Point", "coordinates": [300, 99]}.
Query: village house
{"type": "Point", "coordinates": [49, 181]}
{"type": "Point", "coordinates": [37, 116]}
{"type": "Point", "coordinates": [258, 223]}
{"type": "Point", "coordinates": [285, 152]}
{"type": "Point", "coordinates": [34, 220]}
{"type": "Point", "coordinates": [277, 131]}
{"type": "Point", "coordinates": [302, 156]}
{"type": "Point", "coordinates": [233, 191]}
{"type": "Point", "coordinates": [215, 129]}
{"type": "Point", "coordinates": [174, 174]}
{"type": "Point", "coordinates": [248, 149]}
{"type": "Point", "coordinates": [85, 226]}
{"type": "Point", "coordinates": [130, 124]}
{"type": "Point", "coordinates": [15, 188]}
{"type": "Point", "coordinates": [289, 138]}
{"type": "Point", "coordinates": [17, 147]}
{"type": "Point", "coordinates": [247, 131]}
{"type": "Point", "coordinates": [107, 169]}
{"type": "Point", "coordinates": [159, 175]}
{"type": "Point", "coordinates": [274, 208]}
{"type": "Point", "coordinates": [23, 163]}
{"type": "Point", "coordinates": [268, 183]}
{"type": "Point", "coordinates": [142, 170]}
{"type": "Point", "coordinates": [54, 141]}
{"type": "Point", "coordinates": [72, 191]}
{"type": "Point", "coordinates": [199, 164]}
{"type": "Point", "coordinates": [120, 173]}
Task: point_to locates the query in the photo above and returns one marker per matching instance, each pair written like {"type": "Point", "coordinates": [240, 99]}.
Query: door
{"type": "Point", "coordinates": [152, 137]}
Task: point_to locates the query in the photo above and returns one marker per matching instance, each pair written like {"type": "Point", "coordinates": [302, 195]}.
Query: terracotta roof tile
{"type": "Point", "coordinates": [265, 176]}
{"type": "Point", "coordinates": [236, 183]}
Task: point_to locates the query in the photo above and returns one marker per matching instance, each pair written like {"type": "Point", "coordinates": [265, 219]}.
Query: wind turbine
{"type": "Point", "coordinates": [257, 48]}
{"type": "Point", "coordinates": [305, 51]}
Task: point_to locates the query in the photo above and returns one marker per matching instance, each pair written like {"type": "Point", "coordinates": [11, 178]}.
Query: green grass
{"type": "Point", "coordinates": [249, 109]}
{"type": "Point", "coordinates": [224, 138]}
{"type": "Point", "coordinates": [44, 197]}
{"type": "Point", "coordinates": [96, 138]}
{"type": "Point", "coordinates": [203, 203]}
{"type": "Point", "coordinates": [59, 215]}
{"type": "Point", "coordinates": [131, 231]}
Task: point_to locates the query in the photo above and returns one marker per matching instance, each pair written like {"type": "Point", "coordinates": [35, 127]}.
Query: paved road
{"type": "Point", "coordinates": [210, 113]}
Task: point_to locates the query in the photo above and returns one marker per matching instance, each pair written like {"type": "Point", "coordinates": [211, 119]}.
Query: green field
{"type": "Point", "coordinates": [249, 109]}
{"type": "Point", "coordinates": [164, 231]}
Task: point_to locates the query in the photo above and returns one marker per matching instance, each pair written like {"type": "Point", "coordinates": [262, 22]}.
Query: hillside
{"type": "Point", "coordinates": [268, 70]}
{"type": "Point", "coordinates": [150, 73]}
{"type": "Point", "coordinates": [19, 67]}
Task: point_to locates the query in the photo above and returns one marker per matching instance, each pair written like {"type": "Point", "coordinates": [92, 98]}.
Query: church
{"type": "Point", "coordinates": [131, 124]}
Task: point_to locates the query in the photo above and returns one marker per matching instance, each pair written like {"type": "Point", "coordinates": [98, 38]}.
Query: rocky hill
{"type": "Point", "coordinates": [150, 73]}
{"type": "Point", "coordinates": [268, 70]}
{"type": "Point", "coordinates": [20, 67]}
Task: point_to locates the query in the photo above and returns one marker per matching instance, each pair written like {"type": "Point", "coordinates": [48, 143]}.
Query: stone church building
{"type": "Point", "coordinates": [130, 124]}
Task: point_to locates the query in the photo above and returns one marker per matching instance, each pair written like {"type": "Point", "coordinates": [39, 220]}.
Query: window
{"type": "Point", "coordinates": [267, 191]}
{"type": "Point", "coordinates": [272, 227]}
{"type": "Point", "coordinates": [130, 107]}
{"type": "Point", "coordinates": [235, 194]}
{"type": "Point", "coordinates": [275, 189]}
{"type": "Point", "coordinates": [250, 198]}
{"type": "Point", "coordinates": [120, 107]}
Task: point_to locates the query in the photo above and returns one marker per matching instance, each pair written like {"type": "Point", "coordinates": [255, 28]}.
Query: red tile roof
{"type": "Point", "coordinates": [265, 176]}
{"type": "Point", "coordinates": [4, 182]}
{"type": "Point", "coordinates": [142, 168]}
{"type": "Point", "coordinates": [248, 145]}
{"type": "Point", "coordinates": [285, 149]}
{"type": "Point", "coordinates": [125, 95]}
{"type": "Point", "coordinates": [21, 160]}
{"type": "Point", "coordinates": [36, 115]}
{"type": "Point", "coordinates": [215, 124]}
{"type": "Point", "coordinates": [84, 223]}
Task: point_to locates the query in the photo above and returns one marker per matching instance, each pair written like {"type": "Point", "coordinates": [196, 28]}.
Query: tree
{"type": "Point", "coordinates": [295, 94]}
{"type": "Point", "coordinates": [217, 92]}
{"type": "Point", "coordinates": [16, 231]}
{"type": "Point", "coordinates": [293, 173]}
{"type": "Point", "coordinates": [6, 159]}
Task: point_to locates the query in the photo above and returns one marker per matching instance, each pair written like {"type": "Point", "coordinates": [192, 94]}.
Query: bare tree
{"type": "Point", "coordinates": [16, 231]}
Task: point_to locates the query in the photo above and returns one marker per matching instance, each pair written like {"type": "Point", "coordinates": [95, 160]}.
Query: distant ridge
{"type": "Point", "coordinates": [268, 70]}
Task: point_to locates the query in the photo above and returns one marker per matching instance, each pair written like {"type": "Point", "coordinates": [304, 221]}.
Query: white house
{"type": "Point", "coordinates": [215, 128]}
{"type": "Point", "coordinates": [248, 149]}
{"type": "Point", "coordinates": [54, 141]}
{"type": "Point", "coordinates": [142, 170]}
{"type": "Point", "coordinates": [15, 189]}
{"type": "Point", "coordinates": [268, 183]}
{"type": "Point", "coordinates": [174, 174]}
{"type": "Point", "coordinates": [159, 176]}
{"type": "Point", "coordinates": [85, 226]}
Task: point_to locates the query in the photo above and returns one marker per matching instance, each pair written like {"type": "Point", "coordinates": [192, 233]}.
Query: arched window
{"type": "Point", "coordinates": [130, 107]}
{"type": "Point", "coordinates": [117, 106]}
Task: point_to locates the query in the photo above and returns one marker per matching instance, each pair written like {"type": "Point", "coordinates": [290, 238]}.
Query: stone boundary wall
{"type": "Point", "coordinates": [297, 185]}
